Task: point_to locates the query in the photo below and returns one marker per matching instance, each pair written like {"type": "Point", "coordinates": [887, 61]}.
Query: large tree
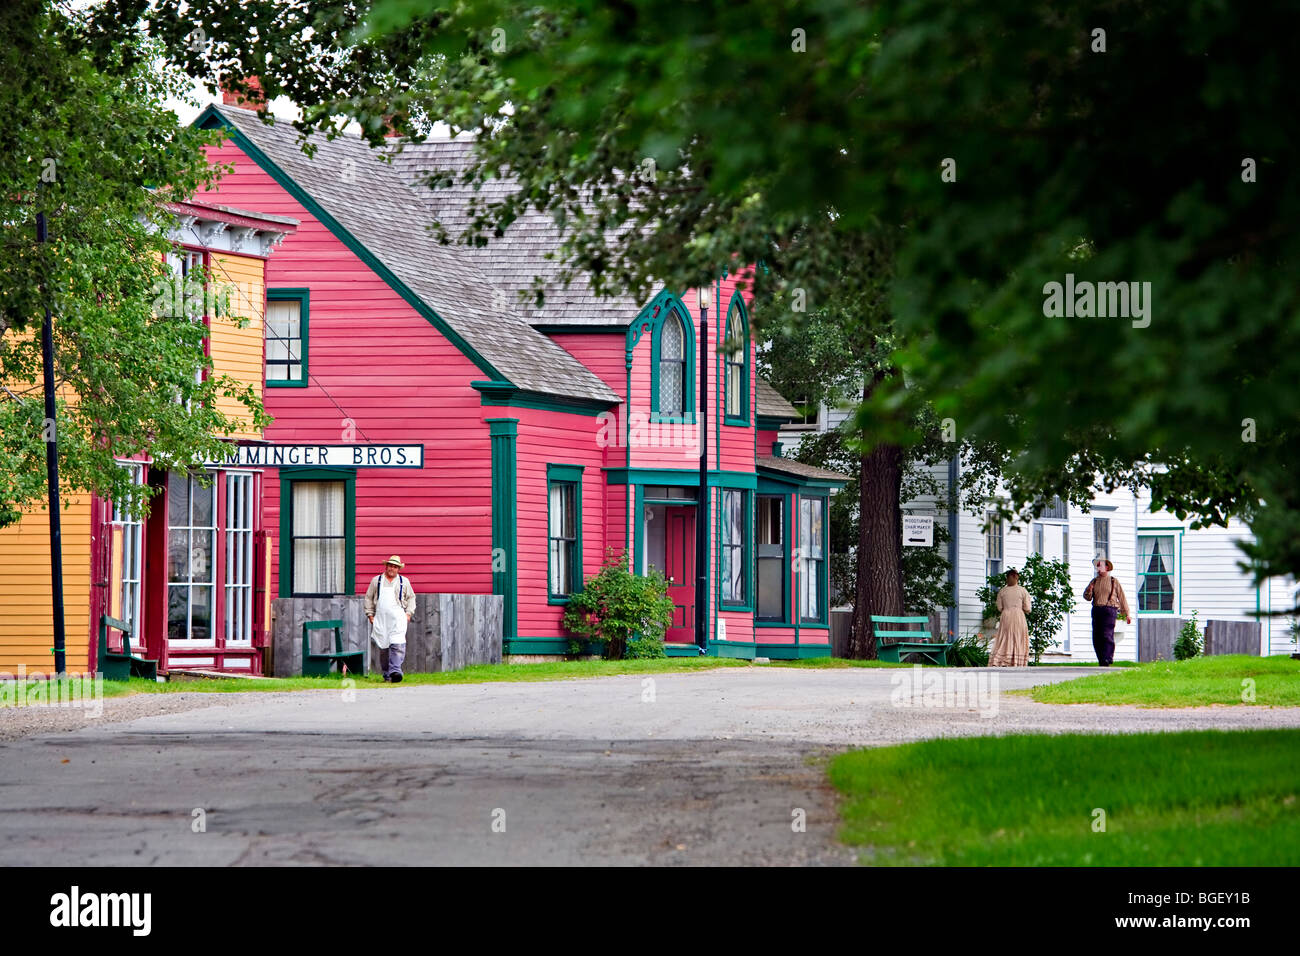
{"type": "Point", "coordinates": [838, 355]}
{"type": "Point", "coordinates": [1134, 141]}
{"type": "Point", "coordinates": [88, 142]}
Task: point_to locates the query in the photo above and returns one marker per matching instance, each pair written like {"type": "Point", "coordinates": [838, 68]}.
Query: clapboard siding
{"type": "Point", "coordinates": [1207, 577]}
{"type": "Point", "coordinates": [656, 445]}
{"type": "Point", "coordinates": [26, 622]}
{"type": "Point", "coordinates": [735, 444]}
{"type": "Point", "coordinates": [602, 352]}
{"type": "Point", "coordinates": [237, 351]}
{"type": "Point", "coordinates": [379, 372]}
{"type": "Point", "coordinates": [547, 438]}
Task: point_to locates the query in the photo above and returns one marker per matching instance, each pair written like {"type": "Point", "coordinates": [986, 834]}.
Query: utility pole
{"type": "Point", "coordinates": [50, 433]}
{"type": "Point", "coordinates": [701, 510]}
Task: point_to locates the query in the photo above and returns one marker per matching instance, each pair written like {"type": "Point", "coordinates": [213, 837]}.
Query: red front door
{"type": "Point", "coordinates": [680, 558]}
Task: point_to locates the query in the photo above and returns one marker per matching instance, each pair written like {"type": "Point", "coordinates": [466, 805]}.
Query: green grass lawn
{"type": "Point", "coordinates": [474, 674]}
{"type": "Point", "coordinates": [1199, 681]}
{"type": "Point", "coordinates": [1207, 798]}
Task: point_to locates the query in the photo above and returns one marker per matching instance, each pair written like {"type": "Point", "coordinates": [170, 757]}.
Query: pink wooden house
{"type": "Point", "coordinates": [521, 442]}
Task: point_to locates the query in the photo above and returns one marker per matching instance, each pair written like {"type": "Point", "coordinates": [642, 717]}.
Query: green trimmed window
{"type": "Point", "coordinates": [1156, 573]}
{"type": "Point", "coordinates": [672, 392]}
{"type": "Point", "coordinates": [564, 531]}
{"type": "Point", "coordinates": [813, 581]}
{"type": "Point", "coordinates": [771, 558]}
{"type": "Point", "coordinates": [317, 532]}
{"type": "Point", "coordinates": [286, 337]}
{"type": "Point", "coordinates": [734, 581]}
{"type": "Point", "coordinates": [736, 369]}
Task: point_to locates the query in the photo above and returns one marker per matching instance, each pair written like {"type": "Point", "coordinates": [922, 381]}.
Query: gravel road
{"type": "Point", "coordinates": [713, 767]}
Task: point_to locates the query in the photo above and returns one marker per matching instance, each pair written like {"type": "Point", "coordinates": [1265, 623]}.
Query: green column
{"type": "Point", "coordinates": [505, 523]}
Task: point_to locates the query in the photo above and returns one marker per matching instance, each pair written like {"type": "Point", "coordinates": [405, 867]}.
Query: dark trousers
{"type": "Point", "coordinates": [1103, 634]}
{"type": "Point", "coordinates": [391, 658]}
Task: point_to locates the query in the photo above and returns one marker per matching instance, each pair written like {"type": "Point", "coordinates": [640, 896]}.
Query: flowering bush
{"type": "Point", "coordinates": [618, 607]}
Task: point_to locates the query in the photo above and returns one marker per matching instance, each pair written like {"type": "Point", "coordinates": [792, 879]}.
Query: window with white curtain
{"type": "Point", "coordinates": [563, 537]}
{"type": "Point", "coordinates": [285, 336]}
{"type": "Point", "coordinates": [319, 541]}
{"type": "Point", "coordinates": [1156, 573]}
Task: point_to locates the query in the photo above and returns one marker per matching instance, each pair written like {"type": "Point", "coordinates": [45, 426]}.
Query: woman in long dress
{"type": "Point", "coordinates": [1011, 646]}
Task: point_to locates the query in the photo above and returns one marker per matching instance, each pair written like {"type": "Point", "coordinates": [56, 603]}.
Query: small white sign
{"type": "Point", "coordinates": [918, 531]}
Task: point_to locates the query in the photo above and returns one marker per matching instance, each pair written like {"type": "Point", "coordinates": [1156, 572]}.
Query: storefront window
{"type": "Point", "coordinates": [191, 543]}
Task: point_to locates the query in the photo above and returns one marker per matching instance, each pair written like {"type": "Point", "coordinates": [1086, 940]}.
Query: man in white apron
{"type": "Point", "coordinates": [390, 603]}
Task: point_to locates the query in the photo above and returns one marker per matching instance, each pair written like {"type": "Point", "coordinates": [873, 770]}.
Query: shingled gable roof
{"type": "Point", "coordinates": [772, 404]}
{"type": "Point", "coordinates": [364, 201]}
{"type": "Point", "coordinates": [511, 261]}
{"type": "Point", "coordinates": [800, 471]}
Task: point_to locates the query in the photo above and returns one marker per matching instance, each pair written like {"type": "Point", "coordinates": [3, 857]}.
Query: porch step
{"type": "Point", "coordinates": [192, 673]}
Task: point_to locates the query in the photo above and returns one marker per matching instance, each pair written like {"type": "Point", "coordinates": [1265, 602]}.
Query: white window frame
{"type": "Point", "coordinates": [132, 597]}
{"type": "Point", "coordinates": [240, 577]}
{"type": "Point", "coordinates": [994, 533]}
{"type": "Point", "coordinates": [189, 585]}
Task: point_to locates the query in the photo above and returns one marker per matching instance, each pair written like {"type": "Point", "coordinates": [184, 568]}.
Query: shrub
{"type": "Point", "coordinates": [1190, 641]}
{"type": "Point", "coordinates": [641, 648]}
{"type": "Point", "coordinates": [969, 650]}
{"type": "Point", "coordinates": [621, 609]}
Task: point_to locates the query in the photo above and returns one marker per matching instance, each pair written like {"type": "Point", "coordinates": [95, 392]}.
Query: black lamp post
{"type": "Point", "coordinates": [701, 525]}
{"type": "Point", "coordinates": [52, 469]}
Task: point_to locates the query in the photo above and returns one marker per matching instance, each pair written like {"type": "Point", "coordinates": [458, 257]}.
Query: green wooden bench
{"type": "Point", "coordinates": [891, 645]}
{"type": "Point", "coordinates": [122, 665]}
{"type": "Point", "coordinates": [320, 665]}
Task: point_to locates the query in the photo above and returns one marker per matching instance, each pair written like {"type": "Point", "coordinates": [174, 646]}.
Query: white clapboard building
{"type": "Point", "coordinates": [1168, 570]}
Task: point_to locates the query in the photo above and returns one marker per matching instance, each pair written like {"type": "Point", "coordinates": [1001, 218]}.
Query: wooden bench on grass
{"type": "Point", "coordinates": [320, 665]}
{"type": "Point", "coordinates": [121, 665]}
{"type": "Point", "coordinates": [891, 645]}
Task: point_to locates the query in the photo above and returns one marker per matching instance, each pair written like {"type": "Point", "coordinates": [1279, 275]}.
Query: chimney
{"type": "Point", "coordinates": [395, 125]}
{"type": "Point", "coordinates": [254, 100]}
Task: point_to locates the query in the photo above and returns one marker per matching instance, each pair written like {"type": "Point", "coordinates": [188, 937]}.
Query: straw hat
{"type": "Point", "coordinates": [394, 560]}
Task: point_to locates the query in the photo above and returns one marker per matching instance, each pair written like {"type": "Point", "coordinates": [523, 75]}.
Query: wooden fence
{"type": "Point", "coordinates": [1156, 637]}
{"type": "Point", "coordinates": [1232, 637]}
{"type": "Point", "coordinates": [446, 633]}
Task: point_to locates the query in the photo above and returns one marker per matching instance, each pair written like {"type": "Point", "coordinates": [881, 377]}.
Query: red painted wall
{"type": "Point", "coordinates": [547, 437]}
{"type": "Point", "coordinates": [375, 361]}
